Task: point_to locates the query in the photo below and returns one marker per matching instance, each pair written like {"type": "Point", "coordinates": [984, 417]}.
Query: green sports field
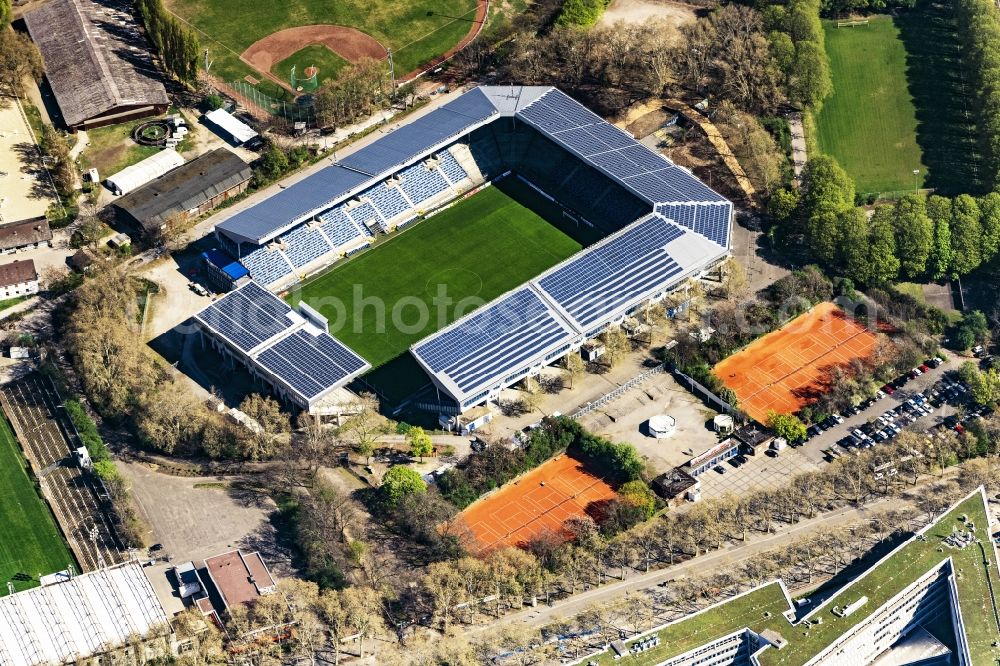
{"type": "Point", "coordinates": [476, 250]}
{"type": "Point", "coordinates": [416, 30]}
{"type": "Point", "coordinates": [314, 55]}
{"type": "Point", "coordinates": [899, 103]}
{"type": "Point", "coordinates": [30, 541]}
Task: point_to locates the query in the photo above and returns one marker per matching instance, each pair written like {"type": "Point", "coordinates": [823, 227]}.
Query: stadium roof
{"type": "Point", "coordinates": [359, 170]}
{"type": "Point", "coordinates": [612, 151]}
{"type": "Point", "coordinates": [280, 343]}
{"type": "Point", "coordinates": [564, 305]}
{"type": "Point", "coordinates": [818, 636]}
{"type": "Point", "coordinates": [85, 616]}
{"type": "Point", "coordinates": [96, 59]}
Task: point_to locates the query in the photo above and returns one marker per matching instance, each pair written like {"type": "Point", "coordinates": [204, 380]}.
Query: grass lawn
{"type": "Point", "coordinates": [762, 608]}
{"type": "Point", "coordinates": [111, 148]}
{"type": "Point", "coordinates": [899, 103]}
{"type": "Point", "coordinates": [30, 541]}
{"type": "Point", "coordinates": [314, 55]}
{"type": "Point", "coordinates": [476, 250]}
{"type": "Point", "coordinates": [870, 122]}
{"type": "Point", "coordinates": [415, 30]}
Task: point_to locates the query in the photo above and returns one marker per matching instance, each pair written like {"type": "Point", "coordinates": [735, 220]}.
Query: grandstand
{"type": "Point", "coordinates": [662, 224]}
{"type": "Point", "coordinates": [292, 352]}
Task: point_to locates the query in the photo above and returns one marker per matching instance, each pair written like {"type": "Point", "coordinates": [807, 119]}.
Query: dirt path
{"type": "Point", "coordinates": [799, 155]}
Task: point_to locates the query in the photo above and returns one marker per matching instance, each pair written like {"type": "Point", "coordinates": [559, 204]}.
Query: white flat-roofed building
{"type": "Point", "coordinates": [87, 616]}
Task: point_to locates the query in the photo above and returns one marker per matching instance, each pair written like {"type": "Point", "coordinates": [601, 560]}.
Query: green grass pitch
{"type": "Point", "coordinates": [900, 102]}
{"type": "Point", "coordinates": [314, 55]}
{"type": "Point", "coordinates": [30, 541]}
{"type": "Point", "coordinates": [416, 30]}
{"type": "Point", "coordinates": [870, 122]}
{"type": "Point", "coordinates": [478, 249]}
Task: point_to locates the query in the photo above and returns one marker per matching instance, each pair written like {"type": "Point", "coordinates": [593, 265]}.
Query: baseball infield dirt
{"type": "Point", "coordinates": [350, 44]}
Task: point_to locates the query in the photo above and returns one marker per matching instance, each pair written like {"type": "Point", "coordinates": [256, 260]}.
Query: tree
{"type": "Point", "coordinates": [966, 235]}
{"type": "Point", "coordinates": [20, 59]}
{"type": "Point", "coordinates": [273, 163]}
{"type": "Point", "coordinates": [989, 207]}
{"type": "Point", "coordinates": [616, 344]}
{"type": "Point", "coordinates": [638, 494]}
{"type": "Point", "coordinates": [940, 259]}
{"type": "Point", "coordinates": [972, 328]}
{"type": "Point", "coordinates": [829, 192]}
{"type": "Point", "coordinates": [914, 234]}
{"type": "Point", "coordinates": [420, 442]}
{"type": "Point", "coordinates": [399, 482]}
{"type": "Point", "coordinates": [853, 245]}
{"type": "Point", "coordinates": [169, 418]}
{"type": "Point", "coordinates": [273, 424]}
{"type": "Point", "coordinates": [882, 245]}
{"type": "Point", "coordinates": [366, 427]}
{"type": "Point", "coordinates": [810, 82]}
{"type": "Point", "coordinates": [575, 366]}
{"type": "Point", "coordinates": [787, 426]}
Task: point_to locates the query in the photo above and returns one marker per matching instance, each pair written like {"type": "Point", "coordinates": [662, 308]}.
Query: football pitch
{"type": "Point", "coordinates": [900, 103]}
{"type": "Point", "coordinates": [30, 541]}
{"type": "Point", "coordinates": [381, 302]}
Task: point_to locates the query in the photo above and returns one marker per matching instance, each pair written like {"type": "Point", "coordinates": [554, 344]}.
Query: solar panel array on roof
{"type": "Point", "coordinates": [247, 317]}
{"type": "Point", "coordinates": [645, 172]}
{"type": "Point", "coordinates": [497, 338]}
{"type": "Point", "coordinates": [310, 364]}
{"type": "Point", "coordinates": [709, 220]}
{"type": "Point", "coordinates": [597, 283]}
{"type": "Point", "coordinates": [324, 187]}
{"type": "Point", "coordinates": [293, 202]}
{"type": "Point", "coordinates": [412, 140]}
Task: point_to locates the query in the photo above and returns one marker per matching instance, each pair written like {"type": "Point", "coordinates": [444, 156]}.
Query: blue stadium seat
{"type": "Point", "coordinates": [266, 266]}
{"type": "Point", "coordinates": [450, 167]}
{"type": "Point", "coordinates": [303, 245]}
{"type": "Point", "coordinates": [421, 183]}
{"type": "Point", "coordinates": [340, 229]}
{"type": "Point", "coordinates": [364, 215]}
{"type": "Point", "coordinates": [387, 199]}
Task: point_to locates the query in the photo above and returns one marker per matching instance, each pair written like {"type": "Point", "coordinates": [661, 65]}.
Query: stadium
{"type": "Point", "coordinates": [543, 222]}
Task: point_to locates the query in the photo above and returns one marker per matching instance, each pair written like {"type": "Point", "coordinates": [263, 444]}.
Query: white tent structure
{"type": "Point", "coordinates": [151, 168]}
{"type": "Point", "coordinates": [86, 616]}
{"type": "Point", "coordinates": [237, 131]}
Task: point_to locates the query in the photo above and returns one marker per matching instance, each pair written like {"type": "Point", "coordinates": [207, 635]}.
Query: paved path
{"type": "Point", "coordinates": [799, 155]}
{"type": "Point", "coordinates": [729, 555]}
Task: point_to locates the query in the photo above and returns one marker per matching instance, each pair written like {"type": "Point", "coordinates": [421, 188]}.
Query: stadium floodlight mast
{"type": "Point", "coordinates": [916, 172]}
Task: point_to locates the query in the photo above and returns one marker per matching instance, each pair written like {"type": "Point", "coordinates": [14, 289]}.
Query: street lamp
{"type": "Point", "coordinates": [916, 172]}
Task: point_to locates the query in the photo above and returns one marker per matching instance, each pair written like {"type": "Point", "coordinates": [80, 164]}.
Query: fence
{"type": "Point", "coordinates": [891, 195]}
{"type": "Point", "coordinates": [290, 111]}
{"type": "Point", "coordinates": [608, 397]}
{"type": "Point", "coordinates": [696, 387]}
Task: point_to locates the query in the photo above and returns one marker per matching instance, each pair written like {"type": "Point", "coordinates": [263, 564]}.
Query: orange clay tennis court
{"type": "Point", "coordinates": [780, 370]}
{"type": "Point", "coordinates": [538, 502]}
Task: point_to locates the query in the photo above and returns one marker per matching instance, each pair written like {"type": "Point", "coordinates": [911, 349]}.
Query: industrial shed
{"type": "Point", "coordinates": [185, 192]}
{"type": "Point", "coordinates": [97, 62]}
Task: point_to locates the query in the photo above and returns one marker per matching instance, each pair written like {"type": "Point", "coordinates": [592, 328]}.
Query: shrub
{"type": "Point", "coordinates": [399, 482]}
{"type": "Point", "coordinates": [581, 12]}
{"type": "Point", "coordinates": [87, 429]}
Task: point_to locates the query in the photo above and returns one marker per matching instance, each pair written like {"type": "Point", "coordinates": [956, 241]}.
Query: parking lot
{"type": "Point", "coordinates": [759, 472]}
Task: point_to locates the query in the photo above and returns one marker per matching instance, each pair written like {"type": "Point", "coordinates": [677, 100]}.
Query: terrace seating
{"type": "Point", "coordinates": [303, 245]}
{"type": "Point", "coordinates": [267, 265]}
{"type": "Point", "coordinates": [365, 215]}
{"type": "Point", "coordinates": [421, 183]}
{"type": "Point", "coordinates": [388, 200]}
{"type": "Point", "coordinates": [340, 229]}
{"type": "Point", "coordinates": [450, 167]}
